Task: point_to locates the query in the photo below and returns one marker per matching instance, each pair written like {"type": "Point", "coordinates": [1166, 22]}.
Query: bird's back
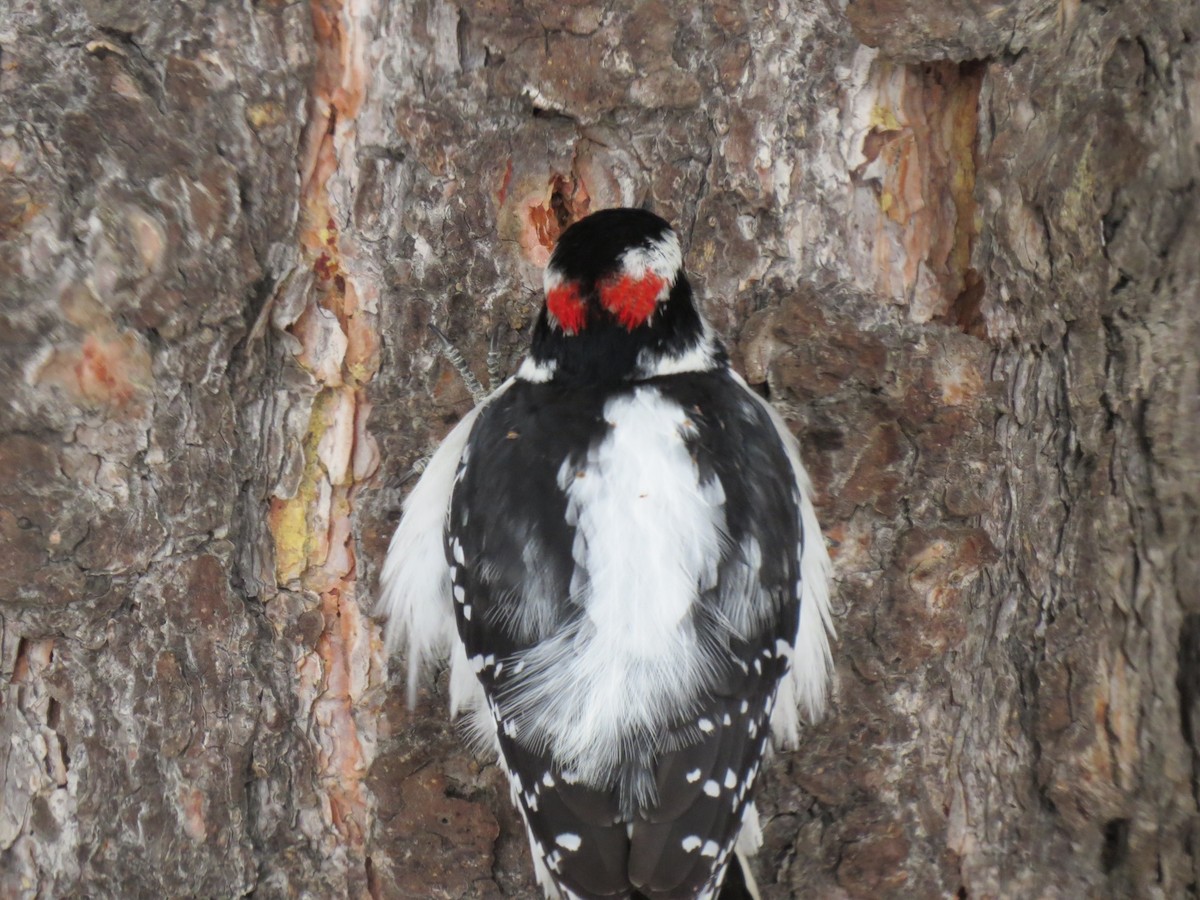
{"type": "Point", "coordinates": [627, 563]}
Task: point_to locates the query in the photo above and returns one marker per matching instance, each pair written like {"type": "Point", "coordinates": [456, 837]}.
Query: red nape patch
{"type": "Point", "coordinates": [567, 307]}
{"type": "Point", "coordinates": [631, 300]}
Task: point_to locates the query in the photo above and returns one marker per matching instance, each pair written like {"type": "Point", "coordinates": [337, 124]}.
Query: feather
{"type": "Point", "coordinates": [415, 584]}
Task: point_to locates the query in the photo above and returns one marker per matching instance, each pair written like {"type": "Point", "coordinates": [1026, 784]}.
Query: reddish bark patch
{"type": "Point", "coordinates": [324, 267]}
{"type": "Point", "coordinates": [339, 346]}
{"type": "Point", "coordinates": [568, 202]}
{"type": "Point", "coordinates": [98, 371]}
{"type": "Point", "coordinates": [505, 183]}
{"type": "Point", "coordinates": [919, 163]}
{"type": "Point", "coordinates": [108, 369]}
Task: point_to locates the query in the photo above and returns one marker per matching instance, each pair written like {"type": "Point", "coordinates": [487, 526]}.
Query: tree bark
{"type": "Point", "coordinates": [955, 242]}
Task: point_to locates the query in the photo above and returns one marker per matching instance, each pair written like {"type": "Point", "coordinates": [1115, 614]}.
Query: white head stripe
{"type": "Point", "coordinates": [551, 278]}
{"type": "Point", "coordinates": [662, 257]}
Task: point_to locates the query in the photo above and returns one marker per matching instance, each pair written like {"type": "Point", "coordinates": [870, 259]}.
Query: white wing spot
{"type": "Point", "coordinates": [706, 725]}
{"type": "Point", "coordinates": [712, 788]}
{"type": "Point", "coordinates": [691, 843]}
{"type": "Point", "coordinates": [730, 779]}
{"type": "Point", "coordinates": [548, 780]}
{"type": "Point", "coordinates": [710, 849]}
{"type": "Point", "coordinates": [467, 612]}
{"type": "Point", "coordinates": [692, 776]}
{"type": "Point", "coordinates": [568, 841]}
{"type": "Point", "coordinates": [459, 593]}
{"type": "Point", "coordinates": [727, 720]}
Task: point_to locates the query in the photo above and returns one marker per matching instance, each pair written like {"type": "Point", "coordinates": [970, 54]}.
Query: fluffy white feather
{"type": "Point", "coordinates": [415, 583]}
{"type": "Point", "coordinates": [807, 682]}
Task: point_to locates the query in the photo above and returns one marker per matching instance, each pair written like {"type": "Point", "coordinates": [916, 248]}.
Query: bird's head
{"type": "Point", "coordinates": [618, 305]}
{"type": "Point", "coordinates": [614, 267]}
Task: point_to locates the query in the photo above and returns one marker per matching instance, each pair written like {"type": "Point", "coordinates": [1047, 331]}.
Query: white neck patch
{"type": "Point", "coordinates": [536, 372]}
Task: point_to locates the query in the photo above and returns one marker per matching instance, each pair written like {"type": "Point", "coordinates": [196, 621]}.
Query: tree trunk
{"type": "Point", "coordinates": [956, 243]}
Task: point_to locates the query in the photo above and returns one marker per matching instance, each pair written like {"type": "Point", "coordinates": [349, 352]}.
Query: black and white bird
{"type": "Point", "coordinates": [617, 550]}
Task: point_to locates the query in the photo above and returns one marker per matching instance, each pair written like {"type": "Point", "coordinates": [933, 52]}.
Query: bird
{"type": "Point", "coordinates": [617, 551]}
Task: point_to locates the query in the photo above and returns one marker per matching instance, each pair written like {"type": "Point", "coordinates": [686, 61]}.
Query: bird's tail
{"type": "Point", "coordinates": [739, 880]}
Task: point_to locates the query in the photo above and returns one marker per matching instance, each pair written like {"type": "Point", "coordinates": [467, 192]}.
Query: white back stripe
{"type": "Point", "coordinates": [647, 541]}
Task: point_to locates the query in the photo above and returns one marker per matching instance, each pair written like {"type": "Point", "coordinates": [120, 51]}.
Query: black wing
{"type": "Point", "coordinates": [704, 786]}
{"type": "Point", "coordinates": [510, 550]}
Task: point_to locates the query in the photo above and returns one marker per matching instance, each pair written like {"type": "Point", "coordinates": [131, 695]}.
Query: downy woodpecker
{"type": "Point", "coordinates": [617, 551]}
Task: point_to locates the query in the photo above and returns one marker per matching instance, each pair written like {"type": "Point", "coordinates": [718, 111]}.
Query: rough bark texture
{"type": "Point", "coordinates": [957, 243]}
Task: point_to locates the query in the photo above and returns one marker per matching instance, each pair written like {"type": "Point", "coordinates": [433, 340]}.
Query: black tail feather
{"type": "Point", "coordinates": [737, 884]}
